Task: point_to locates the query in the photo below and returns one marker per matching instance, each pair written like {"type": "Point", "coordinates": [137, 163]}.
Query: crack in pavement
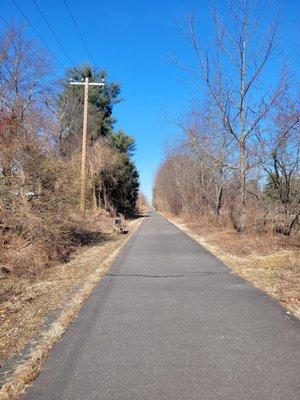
{"type": "Point", "coordinates": [169, 276]}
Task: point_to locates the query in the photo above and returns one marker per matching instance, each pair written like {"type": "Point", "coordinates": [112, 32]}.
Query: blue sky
{"type": "Point", "coordinates": [133, 41]}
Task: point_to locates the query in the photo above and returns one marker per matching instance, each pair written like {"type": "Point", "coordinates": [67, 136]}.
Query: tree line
{"type": "Point", "coordinates": [40, 146]}
{"type": "Point", "coordinates": [237, 161]}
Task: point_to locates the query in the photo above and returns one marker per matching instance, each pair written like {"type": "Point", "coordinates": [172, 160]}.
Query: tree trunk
{"type": "Point", "coordinates": [95, 205]}
{"type": "Point", "coordinates": [105, 199]}
{"type": "Point", "coordinates": [219, 201]}
{"type": "Point", "coordinates": [242, 186]}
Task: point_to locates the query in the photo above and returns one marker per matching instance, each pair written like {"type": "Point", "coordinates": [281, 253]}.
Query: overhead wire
{"type": "Point", "coordinates": [53, 32]}
{"type": "Point", "coordinates": [80, 34]}
{"type": "Point", "coordinates": [35, 31]}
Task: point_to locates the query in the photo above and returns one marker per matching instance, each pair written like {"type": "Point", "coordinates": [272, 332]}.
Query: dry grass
{"type": "Point", "coordinates": [26, 303]}
{"type": "Point", "coordinates": [269, 262]}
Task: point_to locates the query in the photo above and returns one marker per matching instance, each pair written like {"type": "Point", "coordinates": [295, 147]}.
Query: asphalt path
{"type": "Point", "coordinates": [171, 321]}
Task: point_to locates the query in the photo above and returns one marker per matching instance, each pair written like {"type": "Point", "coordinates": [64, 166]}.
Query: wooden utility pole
{"type": "Point", "coordinates": [86, 84]}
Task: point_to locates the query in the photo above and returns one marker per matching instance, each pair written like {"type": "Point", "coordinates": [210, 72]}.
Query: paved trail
{"type": "Point", "coordinates": [171, 321]}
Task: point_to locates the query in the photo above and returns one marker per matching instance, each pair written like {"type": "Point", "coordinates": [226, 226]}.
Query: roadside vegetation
{"type": "Point", "coordinates": [233, 175]}
{"type": "Point", "coordinates": [41, 228]}
{"type": "Point", "coordinates": [40, 146]}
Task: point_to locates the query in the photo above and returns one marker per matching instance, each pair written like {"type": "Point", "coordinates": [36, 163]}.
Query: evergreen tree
{"type": "Point", "coordinates": [125, 194]}
{"type": "Point", "coordinates": [114, 185]}
{"type": "Point", "coordinates": [70, 107]}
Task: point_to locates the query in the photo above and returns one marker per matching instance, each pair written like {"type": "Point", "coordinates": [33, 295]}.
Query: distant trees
{"type": "Point", "coordinates": [239, 156]}
{"type": "Point", "coordinates": [142, 203]}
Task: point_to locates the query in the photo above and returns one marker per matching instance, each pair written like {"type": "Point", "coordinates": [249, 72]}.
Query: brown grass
{"type": "Point", "coordinates": [26, 303]}
{"type": "Point", "coordinates": [269, 262]}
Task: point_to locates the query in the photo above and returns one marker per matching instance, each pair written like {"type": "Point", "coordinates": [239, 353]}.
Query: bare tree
{"type": "Point", "coordinates": [232, 70]}
{"type": "Point", "coordinates": [22, 89]}
{"type": "Point", "coordinates": [210, 151]}
{"type": "Point", "coordinates": [22, 74]}
{"type": "Point", "coordinates": [280, 159]}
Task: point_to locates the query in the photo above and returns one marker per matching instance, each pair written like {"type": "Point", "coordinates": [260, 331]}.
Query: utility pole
{"type": "Point", "coordinates": [86, 84]}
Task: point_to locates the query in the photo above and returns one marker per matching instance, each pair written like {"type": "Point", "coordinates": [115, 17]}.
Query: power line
{"type": "Point", "coordinates": [36, 32]}
{"type": "Point", "coordinates": [53, 32]}
{"type": "Point", "coordinates": [6, 22]}
{"type": "Point", "coordinates": [80, 34]}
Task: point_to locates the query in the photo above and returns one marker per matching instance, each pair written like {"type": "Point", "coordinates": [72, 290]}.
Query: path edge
{"type": "Point", "coordinates": [22, 373]}
{"type": "Point", "coordinates": [290, 314]}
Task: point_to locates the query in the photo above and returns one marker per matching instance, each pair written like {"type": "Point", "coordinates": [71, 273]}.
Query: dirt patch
{"type": "Point", "coordinates": [271, 263]}
{"type": "Point", "coordinates": [25, 303]}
